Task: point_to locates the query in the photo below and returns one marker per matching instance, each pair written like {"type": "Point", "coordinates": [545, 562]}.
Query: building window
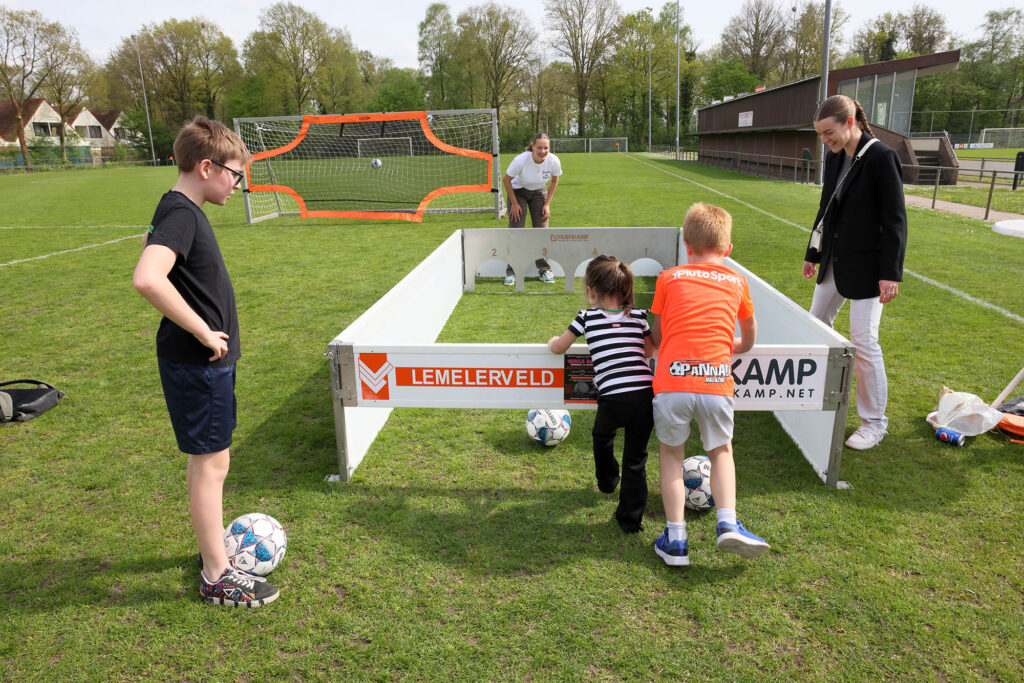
{"type": "Point", "coordinates": [41, 129]}
{"type": "Point", "coordinates": [82, 131]}
{"type": "Point", "coordinates": [94, 132]}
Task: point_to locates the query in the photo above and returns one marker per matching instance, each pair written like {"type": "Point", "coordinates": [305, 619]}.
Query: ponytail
{"type": "Point", "coordinates": [861, 119]}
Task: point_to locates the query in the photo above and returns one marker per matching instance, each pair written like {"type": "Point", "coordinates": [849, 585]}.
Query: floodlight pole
{"type": "Point", "coordinates": [145, 100]}
{"type": "Point", "coordinates": [824, 84]}
{"type": "Point", "coordinates": [677, 80]}
{"type": "Point", "coordinates": [650, 45]}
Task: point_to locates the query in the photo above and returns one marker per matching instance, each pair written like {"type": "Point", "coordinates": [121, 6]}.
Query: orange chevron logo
{"type": "Point", "coordinates": [373, 374]}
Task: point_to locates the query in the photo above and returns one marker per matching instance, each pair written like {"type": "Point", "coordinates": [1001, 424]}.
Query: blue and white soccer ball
{"type": "Point", "coordinates": [697, 477]}
{"type": "Point", "coordinates": [548, 427]}
{"type": "Point", "coordinates": [255, 543]}
{"type": "Point", "coordinates": [376, 163]}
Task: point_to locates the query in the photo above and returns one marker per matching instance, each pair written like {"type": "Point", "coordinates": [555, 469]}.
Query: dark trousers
{"type": "Point", "coordinates": [633, 413]}
{"type": "Point", "coordinates": [532, 202]}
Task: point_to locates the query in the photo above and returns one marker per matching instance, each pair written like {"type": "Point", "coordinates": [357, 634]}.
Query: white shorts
{"type": "Point", "coordinates": [673, 411]}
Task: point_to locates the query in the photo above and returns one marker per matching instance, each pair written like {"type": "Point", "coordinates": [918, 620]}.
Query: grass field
{"type": "Point", "coordinates": [1001, 153]}
{"type": "Point", "coordinates": [460, 551]}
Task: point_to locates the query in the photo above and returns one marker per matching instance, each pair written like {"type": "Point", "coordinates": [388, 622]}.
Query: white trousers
{"type": "Point", "coordinates": [869, 368]}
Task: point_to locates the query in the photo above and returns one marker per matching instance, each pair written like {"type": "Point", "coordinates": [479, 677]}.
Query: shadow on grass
{"type": "Point", "coordinates": [47, 584]}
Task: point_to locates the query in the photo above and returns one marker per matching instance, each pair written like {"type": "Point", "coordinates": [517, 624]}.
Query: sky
{"type": "Point", "coordinates": [389, 28]}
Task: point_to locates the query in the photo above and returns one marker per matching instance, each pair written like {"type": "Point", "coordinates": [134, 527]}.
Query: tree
{"type": "Point", "coordinates": [69, 72]}
{"type": "Point", "coordinates": [583, 32]}
{"type": "Point", "coordinates": [436, 44]}
{"type": "Point", "coordinates": [399, 91]}
{"type": "Point", "coordinates": [25, 40]}
{"type": "Point", "coordinates": [291, 48]}
{"type": "Point", "coordinates": [923, 30]}
{"type": "Point", "coordinates": [217, 65]}
{"type": "Point", "coordinates": [340, 86]}
{"type": "Point", "coordinates": [877, 40]}
{"type": "Point", "coordinates": [801, 55]}
{"type": "Point", "coordinates": [503, 42]}
{"type": "Point", "coordinates": [755, 36]}
{"type": "Point", "coordinates": [727, 77]}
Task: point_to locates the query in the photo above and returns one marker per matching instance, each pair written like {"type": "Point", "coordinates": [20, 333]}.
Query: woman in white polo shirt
{"type": "Point", "coordinates": [531, 180]}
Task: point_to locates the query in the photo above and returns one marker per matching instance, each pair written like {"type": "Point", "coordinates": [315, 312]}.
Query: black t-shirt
{"type": "Point", "coordinates": [200, 276]}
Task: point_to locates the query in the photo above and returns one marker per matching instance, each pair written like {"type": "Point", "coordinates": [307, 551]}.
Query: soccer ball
{"type": "Point", "coordinates": [255, 543]}
{"type": "Point", "coordinates": [548, 427]}
{"type": "Point", "coordinates": [697, 477]}
{"type": "Point", "coordinates": [376, 163]}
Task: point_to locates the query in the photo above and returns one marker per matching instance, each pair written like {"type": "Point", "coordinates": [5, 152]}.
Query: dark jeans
{"type": "Point", "coordinates": [532, 202]}
{"type": "Point", "coordinates": [633, 413]}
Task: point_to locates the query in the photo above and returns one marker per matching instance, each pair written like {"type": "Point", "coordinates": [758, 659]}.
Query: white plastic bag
{"type": "Point", "coordinates": [964, 413]}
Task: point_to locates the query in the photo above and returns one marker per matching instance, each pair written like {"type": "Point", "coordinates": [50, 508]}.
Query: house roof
{"type": "Point", "coordinates": [106, 117]}
{"type": "Point", "coordinates": [9, 119]}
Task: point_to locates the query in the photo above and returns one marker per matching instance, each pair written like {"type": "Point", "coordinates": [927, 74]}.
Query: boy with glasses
{"type": "Point", "coordinates": [181, 273]}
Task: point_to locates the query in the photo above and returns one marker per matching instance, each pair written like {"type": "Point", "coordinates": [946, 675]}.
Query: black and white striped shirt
{"type": "Point", "coordinates": [616, 342]}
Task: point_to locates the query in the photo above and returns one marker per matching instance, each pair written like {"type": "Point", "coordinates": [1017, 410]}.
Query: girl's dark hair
{"type": "Point", "coordinates": [538, 136]}
{"type": "Point", "coordinates": [841, 107]}
{"type": "Point", "coordinates": [608, 276]}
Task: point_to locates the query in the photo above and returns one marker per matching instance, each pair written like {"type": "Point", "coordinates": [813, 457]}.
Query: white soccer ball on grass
{"type": "Point", "coordinates": [548, 427]}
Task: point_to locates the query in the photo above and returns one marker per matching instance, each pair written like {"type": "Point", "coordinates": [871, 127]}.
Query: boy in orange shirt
{"type": "Point", "coordinates": [696, 307]}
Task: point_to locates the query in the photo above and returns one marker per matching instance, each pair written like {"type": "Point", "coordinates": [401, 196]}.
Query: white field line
{"type": "Point", "coordinates": [60, 227]}
{"type": "Point", "coordinates": [952, 290]}
{"type": "Point", "coordinates": [68, 251]}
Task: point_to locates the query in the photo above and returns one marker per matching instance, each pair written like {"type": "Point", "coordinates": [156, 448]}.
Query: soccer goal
{"type": "Point", "coordinates": [384, 147]}
{"type": "Point", "coordinates": [1003, 137]}
{"type": "Point", "coordinates": [609, 144]}
{"type": "Point", "coordinates": [395, 166]}
{"type": "Point", "coordinates": [568, 145]}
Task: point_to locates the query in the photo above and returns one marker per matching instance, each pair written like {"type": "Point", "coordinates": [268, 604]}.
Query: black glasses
{"type": "Point", "coordinates": [238, 174]}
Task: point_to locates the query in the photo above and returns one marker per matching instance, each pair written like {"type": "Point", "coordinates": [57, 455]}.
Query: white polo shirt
{"type": "Point", "coordinates": [529, 175]}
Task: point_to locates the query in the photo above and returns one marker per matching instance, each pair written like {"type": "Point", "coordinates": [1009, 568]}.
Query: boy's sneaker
{"type": "Point", "coordinates": [733, 538]}
{"type": "Point", "coordinates": [237, 589]}
{"type": "Point", "coordinates": [510, 280]}
{"type": "Point", "coordinates": [675, 553]}
{"type": "Point", "coordinates": [547, 276]}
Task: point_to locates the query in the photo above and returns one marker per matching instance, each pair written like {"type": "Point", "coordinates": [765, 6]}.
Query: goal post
{"type": "Point", "coordinates": [1003, 137]}
{"type": "Point", "coordinates": [568, 145]}
{"type": "Point", "coordinates": [609, 144]}
{"type": "Point", "coordinates": [442, 161]}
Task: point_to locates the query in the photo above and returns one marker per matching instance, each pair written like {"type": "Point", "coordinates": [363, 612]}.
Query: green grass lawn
{"type": "Point", "coordinates": [1000, 153]}
{"type": "Point", "coordinates": [461, 551]}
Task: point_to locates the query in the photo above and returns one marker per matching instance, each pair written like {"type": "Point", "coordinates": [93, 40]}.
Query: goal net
{"type": "Point", "coordinates": [395, 166]}
{"type": "Point", "coordinates": [1003, 137]}
{"type": "Point", "coordinates": [567, 145]}
{"type": "Point", "coordinates": [379, 147]}
{"type": "Point", "coordinates": [609, 144]}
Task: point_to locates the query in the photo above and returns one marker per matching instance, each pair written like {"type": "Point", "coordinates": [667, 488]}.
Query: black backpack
{"type": "Point", "coordinates": [18, 405]}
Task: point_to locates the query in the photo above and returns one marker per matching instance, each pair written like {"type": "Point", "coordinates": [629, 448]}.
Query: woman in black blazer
{"type": "Point", "coordinates": [859, 241]}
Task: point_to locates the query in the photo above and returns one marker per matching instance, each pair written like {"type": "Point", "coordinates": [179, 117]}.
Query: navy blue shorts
{"type": "Point", "coordinates": [201, 402]}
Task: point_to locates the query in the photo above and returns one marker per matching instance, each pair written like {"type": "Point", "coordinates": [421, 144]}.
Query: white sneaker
{"type": "Point", "coordinates": [547, 276]}
{"type": "Point", "coordinates": [510, 280]}
{"type": "Point", "coordinates": [863, 439]}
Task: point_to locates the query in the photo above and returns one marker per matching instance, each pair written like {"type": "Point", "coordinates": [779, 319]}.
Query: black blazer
{"type": "Point", "coordinates": [865, 232]}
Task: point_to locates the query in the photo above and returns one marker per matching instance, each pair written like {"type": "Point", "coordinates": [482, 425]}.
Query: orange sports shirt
{"type": "Point", "coordinates": [698, 306]}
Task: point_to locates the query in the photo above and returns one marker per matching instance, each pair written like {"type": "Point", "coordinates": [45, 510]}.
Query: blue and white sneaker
{"type": "Point", "coordinates": [733, 538]}
{"type": "Point", "coordinates": [547, 276]}
{"type": "Point", "coordinates": [510, 280]}
{"type": "Point", "coordinates": [675, 553]}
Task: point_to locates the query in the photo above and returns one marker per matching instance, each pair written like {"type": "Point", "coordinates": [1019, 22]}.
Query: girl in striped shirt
{"type": "Point", "coordinates": [620, 344]}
